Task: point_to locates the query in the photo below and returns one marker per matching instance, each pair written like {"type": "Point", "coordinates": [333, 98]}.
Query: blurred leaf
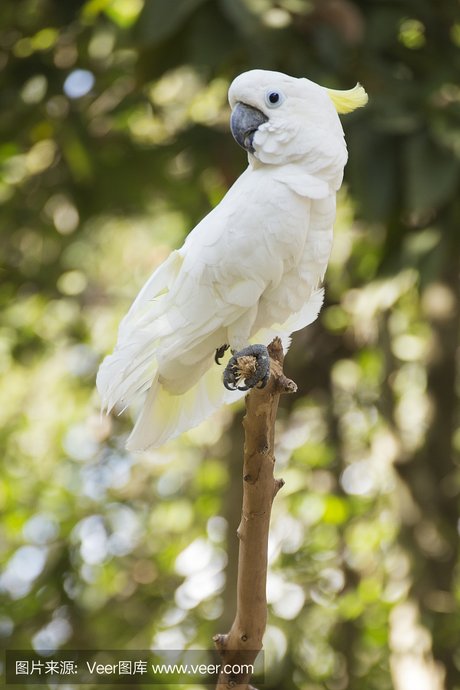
{"type": "Point", "coordinates": [159, 19]}
{"type": "Point", "coordinates": [432, 174]}
{"type": "Point", "coordinates": [240, 15]}
{"type": "Point", "coordinates": [124, 12]}
{"type": "Point", "coordinates": [314, 454]}
{"type": "Point", "coordinates": [336, 510]}
{"type": "Point", "coordinates": [375, 153]}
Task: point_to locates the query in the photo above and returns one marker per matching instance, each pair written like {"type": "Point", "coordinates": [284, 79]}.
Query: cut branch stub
{"type": "Point", "coordinates": [242, 644]}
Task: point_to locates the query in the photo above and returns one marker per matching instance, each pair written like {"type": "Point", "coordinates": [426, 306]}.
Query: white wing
{"type": "Point", "coordinates": [204, 294]}
{"type": "Point", "coordinates": [182, 313]}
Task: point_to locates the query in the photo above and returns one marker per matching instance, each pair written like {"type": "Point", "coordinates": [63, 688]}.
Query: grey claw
{"type": "Point", "coordinates": [232, 373]}
{"type": "Point", "coordinates": [220, 352]}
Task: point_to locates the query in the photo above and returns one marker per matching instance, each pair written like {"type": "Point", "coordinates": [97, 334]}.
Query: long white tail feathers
{"type": "Point", "coordinates": [124, 376]}
{"type": "Point", "coordinates": [165, 416]}
{"type": "Point", "coordinates": [127, 377]}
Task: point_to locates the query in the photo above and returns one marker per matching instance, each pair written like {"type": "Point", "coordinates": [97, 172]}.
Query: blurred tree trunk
{"type": "Point", "coordinates": [431, 476]}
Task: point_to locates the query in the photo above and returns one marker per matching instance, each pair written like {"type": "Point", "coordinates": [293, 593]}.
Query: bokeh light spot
{"type": "Point", "coordinates": [79, 83]}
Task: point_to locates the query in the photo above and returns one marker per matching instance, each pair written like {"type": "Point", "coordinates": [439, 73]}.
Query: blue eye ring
{"type": "Point", "coordinates": [274, 98]}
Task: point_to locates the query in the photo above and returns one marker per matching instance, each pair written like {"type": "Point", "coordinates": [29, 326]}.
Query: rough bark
{"type": "Point", "coordinates": [244, 641]}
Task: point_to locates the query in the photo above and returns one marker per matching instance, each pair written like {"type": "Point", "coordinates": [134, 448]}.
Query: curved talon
{"type": "Point", "coordinates": [220, 352]}
{"type": "Point", "coordinates": [233, 374]}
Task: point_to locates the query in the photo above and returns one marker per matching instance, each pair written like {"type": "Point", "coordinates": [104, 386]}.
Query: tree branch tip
{"type": "Point", "coordinates": [285, 385]}
{"type": "Point", "coordinates": [275, 350]}
{"type": "Point", "coordinates": [279, 483]}
{"type": "Point", "coordinates": [220, 641]}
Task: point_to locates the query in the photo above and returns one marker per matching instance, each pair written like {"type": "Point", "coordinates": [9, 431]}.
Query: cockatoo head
{"type": "Point", "coordinates": [280, 119]}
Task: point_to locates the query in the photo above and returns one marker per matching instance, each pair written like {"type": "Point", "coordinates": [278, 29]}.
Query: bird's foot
{"type": "Point", "coordinates": [220, 352]}
{"type": "Point", "coordinates": [248, 368]}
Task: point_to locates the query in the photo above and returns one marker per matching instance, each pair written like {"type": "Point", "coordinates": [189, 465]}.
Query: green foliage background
{"type": "Point", "coordinates": [102, 549]}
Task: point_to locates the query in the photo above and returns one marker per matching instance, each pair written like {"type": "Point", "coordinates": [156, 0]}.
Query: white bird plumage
{"type": "Point", "coordinates": [249, 271]}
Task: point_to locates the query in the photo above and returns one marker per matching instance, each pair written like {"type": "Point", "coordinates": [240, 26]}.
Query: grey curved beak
{"type": "Point", "coordinates": [244, 123]}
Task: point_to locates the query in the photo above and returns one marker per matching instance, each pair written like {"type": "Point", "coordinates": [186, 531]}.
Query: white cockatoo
{"type": "Point", "coordinates": [249, 271]}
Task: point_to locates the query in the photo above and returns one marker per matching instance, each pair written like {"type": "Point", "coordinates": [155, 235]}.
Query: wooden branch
{"type": "Point", "coordinates": [244, 641]}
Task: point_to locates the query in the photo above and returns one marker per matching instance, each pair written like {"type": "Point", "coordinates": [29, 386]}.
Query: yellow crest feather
{"type": "Point", "coordinates": [346, 101]}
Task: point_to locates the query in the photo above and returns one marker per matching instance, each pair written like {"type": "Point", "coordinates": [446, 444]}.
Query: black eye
{"type": "Point", "coordinates": [273, 98]}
